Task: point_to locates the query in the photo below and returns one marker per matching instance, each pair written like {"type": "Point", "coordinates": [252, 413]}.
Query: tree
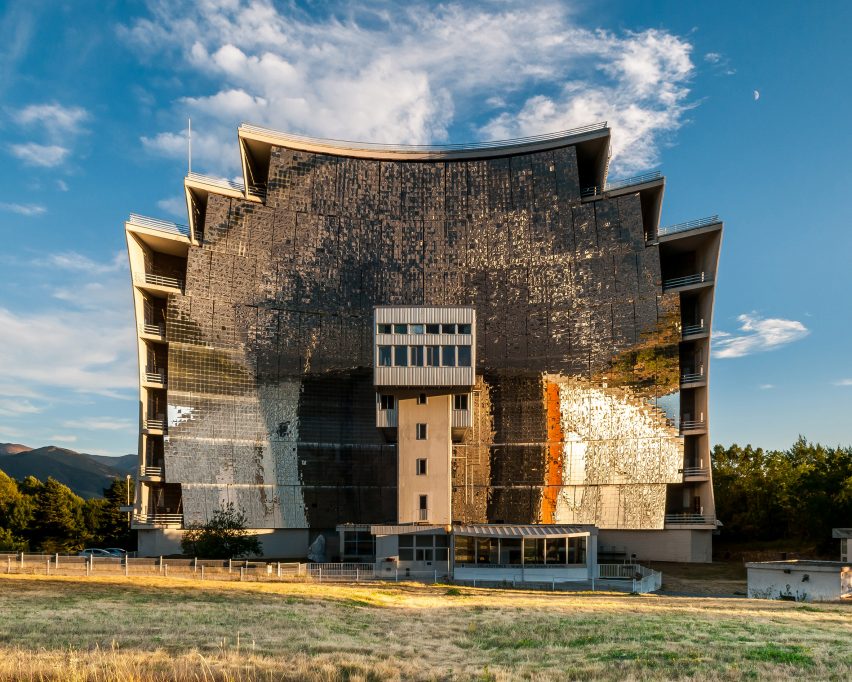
{"type": "Point", "coordinates": [114, 527]}
{"type": "Point", "coordinates": [58, 523]}
{"type": "Point", "coordinates": [224, 536]}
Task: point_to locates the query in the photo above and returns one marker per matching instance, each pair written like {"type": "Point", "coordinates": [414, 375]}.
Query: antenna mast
{"type": "Point", "coordinates": [189, 143]}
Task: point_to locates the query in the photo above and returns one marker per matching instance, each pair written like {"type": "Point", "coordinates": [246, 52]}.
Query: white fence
{"type": "Point", "coordinates": [642, 579]}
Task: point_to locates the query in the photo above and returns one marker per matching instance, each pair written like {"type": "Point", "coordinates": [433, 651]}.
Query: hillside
{"type": "Point", "coordinates": [126, 464]}
{"type": "Point", "coordinates": [86, 475]}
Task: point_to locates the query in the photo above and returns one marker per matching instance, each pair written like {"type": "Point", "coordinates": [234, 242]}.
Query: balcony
{"type": "Point", "coordinates": [688, 226]}
{"type": "Point", "coordinates": [695, 473]}
{"type": "Point", "coordinates": [155, 376]}
{"type": "Point", "coordinates": [620, 184]}
{"type": "Point", "coordinates": [152, 471]}
{"type": "Point", "coordinates": [159, 225]}
{"type": "Point", "coordinates": [387, 419]}
{"type": "Point", "coordinates": [155, 424]}
{"type": "Point", "coordinates": [157, 331]}
{"type": "Point", "coordinates": [422, 514]}
{"type": "Point", "coordinates": [689, 378]}
{"type": "Point", "coordinates": [159, 282]}
{"type": "Point", "coordinates": [461, 419]}
{"type": "Point", "coordinates": [690, 519]}
{"type": "Point", "coordinates": [699, 278]}
{"type": "Point", "coordinates": [693, 329]}
{"type": "Point", "coordinates": [158, 519]}
{"type": "Point", "coordinates": [693, 426]}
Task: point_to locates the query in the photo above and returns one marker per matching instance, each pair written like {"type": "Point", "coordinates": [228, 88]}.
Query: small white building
{"type": "Point", "coordinates": [799, 580]}
{"type": "Point", "coordinates": [844, 535]}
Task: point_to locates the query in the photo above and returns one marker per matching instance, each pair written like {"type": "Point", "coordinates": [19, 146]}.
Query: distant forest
{"type": "Point", "coordinates": [792, 496]}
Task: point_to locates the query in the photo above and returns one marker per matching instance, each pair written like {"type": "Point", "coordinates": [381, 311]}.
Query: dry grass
{"type": "Point", "coordinates": [162, 629]}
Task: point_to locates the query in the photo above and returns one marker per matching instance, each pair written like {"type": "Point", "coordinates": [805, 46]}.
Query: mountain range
{"type": "Point", "coordinates": [87, 475]}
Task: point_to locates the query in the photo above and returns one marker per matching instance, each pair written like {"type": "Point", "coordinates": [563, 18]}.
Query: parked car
{"type": "Point", "coordinates": [117, 552]}
{"type": "Point", "coordinates": [96, 553]}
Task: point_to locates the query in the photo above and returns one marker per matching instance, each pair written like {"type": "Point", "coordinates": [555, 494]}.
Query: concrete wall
{"type": "Point", "coordinates": [279, 544]}
{"type": "Point", "coordinates": [801, 583]}
{"type": "Point", "coordinates": [662, 545]}
{"type": "Point", "coordinates": [530, 575]}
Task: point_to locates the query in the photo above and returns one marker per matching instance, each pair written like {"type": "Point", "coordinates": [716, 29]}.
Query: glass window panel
{"type": "Point", "coordinates": [533, 551]}
{"type": "Point", "coordinates": [387, 402]}
{"type": "Point", "coordinates": [441, 554]}
{"type": "Point", "coordinates": [465, 549]}
{"type": "Point", "coordinates": [384, 356]}
{"type": "Point", "coordinates": [406, 554]}
{"type": "Point", "coordinates": [464, 329]}
{"type": "Point", "coordinates": [556, 550]}
{"type": "Point", "coordinates": [400, 329]}
{"type": "Point", "coordinates": [433, 329]}
{"type": "Point", "coordinates": [510, 550]}
{"type": "Point", "coordinates": [442, 541]}
{"type": "Point", "coordinates": [400, 356]}
{"type": "Point", "coordinates": [416, 355]}
{"type": "Point", "coordinates": [448, 329]}
{"type": "Point", "coordinates": [406, 541]}
{"type": "Point", "coordinates": [464, 356]}
{"type": "Point", "coordinates": [384, 329]}
{"type": "Point", "coordinates": [423, 541]}
{"type": "Point", "coordinates": [423, 554]}
{"type": "Point", "coordinates": [417, 329]}
{"type": "Point", "coordinates": [433, 356]}
{"type": "Point", "coordinates": [460, 402]}
{"type": "Point", "coordinates": [448, 356]}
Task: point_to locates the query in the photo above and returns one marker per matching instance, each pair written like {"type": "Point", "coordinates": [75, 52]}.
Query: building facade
{"type": "Point", "coordinates": [549, 338]}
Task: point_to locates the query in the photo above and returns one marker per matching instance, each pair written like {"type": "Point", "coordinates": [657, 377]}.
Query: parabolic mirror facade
{"type": "Point", "coordinates": [270, 397]}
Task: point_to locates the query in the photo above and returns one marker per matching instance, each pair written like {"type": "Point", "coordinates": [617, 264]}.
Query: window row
{"type": "Point", "coordinates": [424, 356]}
{"type": "Point", "coordinates": [388, 402]}
{"type": "Point", "coordinates": [516, 551]}
{"type": "Point", "coordinates": [424, 547]}
{"type": "Point", "coordinates": [383, 328]}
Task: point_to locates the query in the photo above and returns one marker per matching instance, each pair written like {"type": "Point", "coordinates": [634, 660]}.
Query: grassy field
{"type": "Point", "coordinates": [147, 629]}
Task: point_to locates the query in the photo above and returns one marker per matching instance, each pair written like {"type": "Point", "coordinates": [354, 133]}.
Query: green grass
{"type": "Point", "coordinates": [147, 629]}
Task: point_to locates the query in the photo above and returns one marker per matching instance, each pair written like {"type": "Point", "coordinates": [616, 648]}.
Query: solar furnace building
{"type": "Point", "coordinates": [359, 335]}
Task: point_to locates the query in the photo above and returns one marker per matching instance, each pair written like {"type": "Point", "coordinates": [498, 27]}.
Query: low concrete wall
{"type": "Point", "coordinates": [694, 546]}
{"type": "Point", "coordinates": [529, 575]}
{"type": "Point", "coordinates": [798, 581]}
{"type": "Point", "coordinates": [277, 543]}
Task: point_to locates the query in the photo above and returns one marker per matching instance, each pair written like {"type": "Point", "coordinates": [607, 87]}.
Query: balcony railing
{"type": "Point", "coordinates": [153, 329]}
{"type": "Point", "coordinates": [158, 280]}
{"type": "Point", "coordinates": [619, 184]}
{"type": "Point", "coordinates": [693, 425]}
{"type": "Point", "coordinates": [156, 224]}
{"type": "Point", "coordinates": [219, 182]}
{"type": "Point", "coordinates": [694, 472]}
{"type": "Point", "coordinates": [151, 471]}
{"type": "Point", "coordinates": [689, 225]}
{"type": "Point", "coordinates": [690, 329]}
{"type": "Point", "coordinates": [687, 518]}
{"type": "Point", "coordinates": [158, 519]}
{"type": "Point", "coordinates": [155, 423]}
{"type": "Point", "coordinates": [688, 280]}
{"type": "Point", "coordinates": [155, 376]}
{"type": "Point", "coordinates": [423, 514]}
{"type": "Point", "coordinates": [692, 377]}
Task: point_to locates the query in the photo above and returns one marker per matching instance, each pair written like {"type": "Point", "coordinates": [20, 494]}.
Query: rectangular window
{"type": "Point", "coordinates": [464, 329]}
{"type": "Point", "coordinates": [533, 550]}
{"type": "Point", "coordinates": [433, 356]}
{"type": "Point", "coordinates": [421, 431]}
{"type": "Point", "coordinates": [423, 508]}
{"type": "Point", "coordinates": [417, 329]}
{"type": "Point", "coordinates": [465, 550]}
{"type": "Point", "coordinates": [448, 356]}
{"type": "Point", "coordinates": [420, 467]}
{"type": "Point", "coordinates": [421, 399]}
{"type": "Point", "coordinates": [387, 402]}
{"type": "Point", "coordinates": [383, 329]}
{"type": "Point", "coordinates": [460, 402]}
{"type": "Point", "coordinates": [400, 356]}
{"type": "Point", "coordinates": [576, 550]}
{"type": "Point", "coordinates": [384, 356]}
{"type": "Point", "coordinates": [406, 553]}
{"type": "Point", "coordinates": [400, 329]}
{"type": "Point", "coordinates": [416, 355]}
{"type": "Point", "coordinates": [464, 356]}
{"type": "Point", "coordinates": [556, 550]}
{"type": "Point", "coordinates": [510, 550]}
{"type": "Point", "coordinates": [448, 329]}
{"type": "Point", "coordinates": [433, 329]}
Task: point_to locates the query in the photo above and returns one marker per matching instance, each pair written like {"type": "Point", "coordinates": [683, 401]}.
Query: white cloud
{"type": "Point", "coordinates": [10, 432]}
{"type": "Point", "coordinates": [713, 57]}
{"type": "Point", "coordinates": [71, 260]}
{"type": "Point", "coordinates": [843, 382]}
{"type": "Point", "coordinates": [13, 408]}
{"type": "Point", "coordinates": [56, 119]}
{"type": "Point", "coordinates": [174, 206]}
{"type": "Point", "coordinates": [42, 155]}
{"type": "Point", "coordinates": [63, 438]}
{"type": "Point", "coordinates": [766, 387]}
{"type": "Point", "coordinates": [62, 186]}
{"type": "Point", "coordinates": [101, 424]}
{"type": "Point", "coordinates": [406, 73]}
{"type": "Point", "coordinates": [757, 334]}
{"type": "Point", "coordinates": [23, 209]}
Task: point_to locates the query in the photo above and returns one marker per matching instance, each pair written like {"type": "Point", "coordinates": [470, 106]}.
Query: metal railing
{"type": "Point", "coordinates": [153, 329]}
{"type": "Point", "coordinates": [689, 225]}
{"type": "Point", "coordinates": [643, 579]}
{"type": "Point", "coordinates": [341, 571]}
{"type": "Point", "coordinates": [151, 471]}
{"type": "Point", "coordinates": [349, 144]}
{"type": "Point", "coordinates": [423, 514]}
{"type": "Point", "coordinates": [687, 518]}
{"type": "Point", "coordinates": [157, 519]}
{"type": "Point", "coordinates": [620, 184]}
{"type": "Point", "coordinates": [692, 424]}
{"type": "Point", "coordinates": [157, 224]}
{"type": "Point", "coordinates": [155, 376]}
{"type": "Point", "coordinates": [156, 423]}
{"type": "Point", "coordinates": [692, 377]}
{"type": "Point", "coordinates": [218, 182]}
{"type": "Point", "coordinates": [695, 471]}
{"type": "Point", "coordinates": [697, 278]}
{"type": "Point", "coordinates": [690, 329]}
{"type": "Point", "coordinates": [158, 280]}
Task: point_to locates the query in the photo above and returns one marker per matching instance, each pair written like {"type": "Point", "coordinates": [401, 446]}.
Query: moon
{"type": "Point", "coordinates": [756, 95]}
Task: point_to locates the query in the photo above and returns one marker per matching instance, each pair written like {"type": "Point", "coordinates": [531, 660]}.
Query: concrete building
{"type": "Point", "coordinates": [360, 336]}
{"type": "Point", "coordinates": [844, 535]}
{"type": "Point", "coordinates": [799, 580]}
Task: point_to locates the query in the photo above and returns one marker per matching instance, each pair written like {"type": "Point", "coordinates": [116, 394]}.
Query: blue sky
{"type": "Point", "coordinates": [94, 98]}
